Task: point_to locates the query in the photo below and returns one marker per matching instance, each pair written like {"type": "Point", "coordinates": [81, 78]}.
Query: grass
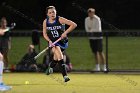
{"type": "Point", "coordinates": [80, 83]}
{"type": "Point", "coordinates": [123, 52]}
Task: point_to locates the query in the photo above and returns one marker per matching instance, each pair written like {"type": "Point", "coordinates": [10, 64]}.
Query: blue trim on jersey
{"type": "Point", "coordinates": [64, 46]}
{"type": "Point", "coordinates": [53, 22]}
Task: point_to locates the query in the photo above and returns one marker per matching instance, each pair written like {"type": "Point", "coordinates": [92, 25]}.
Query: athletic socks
{"type": "Point", "coordinates": [50, 67]}
{"type": "Point", "coordinates": [104, 67]}
{"type": "Point", "coordinates": [53, 63]}
{"type": "Point", "coordinates": [1, 71]}
{"type": "Point", "coordinates": [62, 67]}
{"type": "Point", "coordinates": [63, 70]}
{"type": "Point", "coordinates": [97, 68]}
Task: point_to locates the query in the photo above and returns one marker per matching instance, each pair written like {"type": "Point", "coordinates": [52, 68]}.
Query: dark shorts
{"type": "Point", "coordinates": [4, 45]}
{"type": "Point", "coordinates": [96, 45]}
{"type": "Point", "coordinates": [63, 44]}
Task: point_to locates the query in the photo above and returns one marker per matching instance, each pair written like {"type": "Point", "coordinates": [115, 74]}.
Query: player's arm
{"type": "Point", "coordinates": [97, 23]}
{"type": "Point", "coordinates": [71, 24]}
{"type": "Point", "coordinates": [1, 32]}
{"type": "Point", "coordinates": [45, 31]}
{"type": "Point", "coordinates": [86, 25]}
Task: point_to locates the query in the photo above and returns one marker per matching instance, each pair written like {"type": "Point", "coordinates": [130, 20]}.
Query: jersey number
{"type": "Point", "coordinates": [55, 33]}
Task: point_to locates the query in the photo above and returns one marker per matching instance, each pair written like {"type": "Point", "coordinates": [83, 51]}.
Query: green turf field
{"type": "Point", "coordinates": [80, 83]}
{"type": "Point", "coordinates": [123, 52]}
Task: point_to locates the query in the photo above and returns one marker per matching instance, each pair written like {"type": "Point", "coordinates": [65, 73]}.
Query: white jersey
{"type": "Point", "coordinates": [93, 25]}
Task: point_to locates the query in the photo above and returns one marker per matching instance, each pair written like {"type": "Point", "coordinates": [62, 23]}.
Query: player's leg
{"type": "Point", "coordinates": [93, 45]}
{"type": "Point", "coordinates": [2, 86]}
{"type": "Point", "coordinates": [1, 68]}
{"type": "Point", "coordinates": [97, 61]}
{"type": "Point", "coordinates": [54, 58]}
{"type": "Point", "coordinates": [5, 56]}
{"type": "Point", "coordinates": [101, 54]}
{"type": "Point", "coordinates": [58, 57]}
{"type": "Point", "coordinates": [4, 52]}
{"type": "Point", "coordinates": [61, 63]}
{"type": "Point", "coordinates": [52, 63]}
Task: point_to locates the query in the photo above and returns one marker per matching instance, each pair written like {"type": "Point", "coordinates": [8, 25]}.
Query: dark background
{"type": "Point", "coordinates": [123, 14]}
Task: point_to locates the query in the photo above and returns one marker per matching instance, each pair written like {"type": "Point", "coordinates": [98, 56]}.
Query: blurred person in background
{"type": "Point", "coordinates": [25, 64]}
{"type": "Point", "coordinates": [93, 25]}
{"type": "Point", "coordinates": [5, 43]}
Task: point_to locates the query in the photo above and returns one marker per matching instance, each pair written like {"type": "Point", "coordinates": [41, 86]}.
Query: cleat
{"type": "Point", "coordinates": [4, 87]}
{"type": "Point", "coordinates": [105, 69]}
{"type": "Point", "coordinates": [49, 71]}
{"type": "Point", "coordinates": [97, 69]}
{"type": "Point", "coordinates": [66, 79]}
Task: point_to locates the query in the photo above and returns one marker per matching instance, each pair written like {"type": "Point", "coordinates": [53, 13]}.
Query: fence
{"type": "Point", "coordinates": [121, 49]}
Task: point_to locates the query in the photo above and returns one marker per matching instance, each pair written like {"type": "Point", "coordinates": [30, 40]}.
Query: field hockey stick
{"type": "Point", "coordinates": [44, 50]}
{"type": "Point", "coordinates": [9, 28]}
{"type": "Point", "coordinates": [5, 30]}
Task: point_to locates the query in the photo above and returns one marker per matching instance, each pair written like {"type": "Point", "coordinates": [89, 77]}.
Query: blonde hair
{"type": "Point", "coordinates": [91, 10]}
